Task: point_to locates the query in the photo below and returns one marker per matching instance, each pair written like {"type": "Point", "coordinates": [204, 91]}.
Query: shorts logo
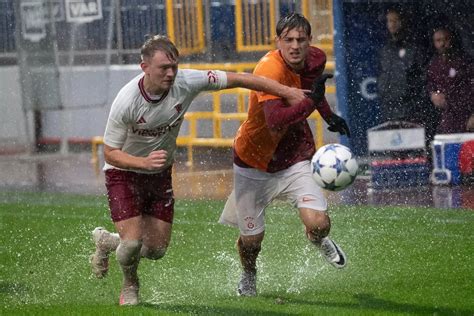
{"type": "Point", "coordinates": [307, 199]}
{"type": "Point", "coordinates": [250, 223]}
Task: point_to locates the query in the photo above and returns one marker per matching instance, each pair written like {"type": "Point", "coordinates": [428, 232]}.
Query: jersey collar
{"type": "Point", "coordinates": [146, 96]}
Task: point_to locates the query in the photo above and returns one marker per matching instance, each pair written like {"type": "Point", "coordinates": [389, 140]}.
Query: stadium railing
{"type": "Point", "coordinates": [192, 120]}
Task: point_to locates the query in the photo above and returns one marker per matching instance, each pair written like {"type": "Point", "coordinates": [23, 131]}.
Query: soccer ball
{"type": "Point", "coordinates": [334, 167]}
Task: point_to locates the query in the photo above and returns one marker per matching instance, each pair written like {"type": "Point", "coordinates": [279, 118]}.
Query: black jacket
{"type": "Point", "coordinates": [401, 79]}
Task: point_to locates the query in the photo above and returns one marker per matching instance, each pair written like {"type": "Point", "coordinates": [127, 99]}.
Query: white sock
{"type": "Point", "coordinates": [128, 256]}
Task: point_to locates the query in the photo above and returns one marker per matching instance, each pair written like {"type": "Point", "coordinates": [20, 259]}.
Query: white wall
{"type": "Point", "coordinates": [12, 120]}
{"type": "Point", "coordinates": [86, 93]}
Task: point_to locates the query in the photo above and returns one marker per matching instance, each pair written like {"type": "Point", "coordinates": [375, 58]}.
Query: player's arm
{"type": "Point", "coordinates": [257, 83]}
{"type": "Point", "coordinates": [114, 139]}
{"type": "Point", "coordinates": [278, 115]}
{"type": "Point", "coordinates": [120, 159]}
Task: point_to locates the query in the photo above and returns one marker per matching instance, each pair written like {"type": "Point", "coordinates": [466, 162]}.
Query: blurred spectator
{"type": "Point", "coordinates": [450, 82]}
{"type": "Point", "coordinates": [400, 79]}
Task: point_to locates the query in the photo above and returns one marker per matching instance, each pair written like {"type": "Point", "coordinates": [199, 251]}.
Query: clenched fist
{"type": "Point", "coordinates": [155, 160]}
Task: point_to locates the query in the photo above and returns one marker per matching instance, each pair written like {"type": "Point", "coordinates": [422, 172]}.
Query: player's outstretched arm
{"type": "Point", "coordinates": [257, 83]}
{"type": "Point", "coordinates": [120, 159]}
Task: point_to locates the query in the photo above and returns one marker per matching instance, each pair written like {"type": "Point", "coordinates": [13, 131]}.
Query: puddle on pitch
{"type": "Point", "coordinates": [74, 173]}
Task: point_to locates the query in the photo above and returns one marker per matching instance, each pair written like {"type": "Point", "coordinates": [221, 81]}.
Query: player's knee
{"type": "Point", "coordinates": [153, 253]}
{"type": "Point", "coordinates": [318, 231]}
{"type": "Point", "coordinates": [128, 252]}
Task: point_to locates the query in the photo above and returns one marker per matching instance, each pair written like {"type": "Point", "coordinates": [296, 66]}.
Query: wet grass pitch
{"type": "Point", "coordinates": [401, 260]}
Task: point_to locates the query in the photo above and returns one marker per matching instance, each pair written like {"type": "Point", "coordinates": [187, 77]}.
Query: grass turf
{"type": "Point", "coordinates": [402, 260]}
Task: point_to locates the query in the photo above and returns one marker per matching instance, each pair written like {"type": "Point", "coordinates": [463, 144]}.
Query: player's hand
{"type": "Point", "coordinates": [338, 124]}
{"type": "Point", "coordinates": [295, 95]}
{"type": "Point", "coordinates": [155, 160]}
{"type": "Point", "coordinates": [318, 89]}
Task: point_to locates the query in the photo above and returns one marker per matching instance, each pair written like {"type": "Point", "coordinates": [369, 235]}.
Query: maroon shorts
{"type": "Point", "coordinates": [133, 194]}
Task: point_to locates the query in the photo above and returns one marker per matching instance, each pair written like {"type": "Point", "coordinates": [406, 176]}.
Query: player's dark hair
{"type": "Point", "coordinates": [292, 21]}
{"type": "Point", "coordinates": [395, 10]}
{"type": "Point", "coordinates": [159, 43]}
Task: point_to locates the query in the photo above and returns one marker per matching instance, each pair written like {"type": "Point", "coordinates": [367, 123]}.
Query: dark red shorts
{"type": "Point", "coordinates": [133, 194]}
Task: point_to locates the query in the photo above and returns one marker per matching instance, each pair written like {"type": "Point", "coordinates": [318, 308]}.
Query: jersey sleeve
{"type": "Point", "coordinates": [205, 80]}
{"type": "Point", "coordinates": [116, 128]}
{"type": "Point", "coordinates": [270, 68]}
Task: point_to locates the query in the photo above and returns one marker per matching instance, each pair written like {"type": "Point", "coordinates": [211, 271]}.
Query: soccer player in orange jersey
{"type": "Point", "coordinates": [273, 149]}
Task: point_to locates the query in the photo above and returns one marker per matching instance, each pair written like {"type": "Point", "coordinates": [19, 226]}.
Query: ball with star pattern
{"type": "Point", "coordinates": [334, 167]}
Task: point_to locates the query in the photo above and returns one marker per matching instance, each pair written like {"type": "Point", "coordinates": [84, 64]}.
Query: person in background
{"type": "Point", "coordinates": [400, 80]}
{"type": "Point", "coordinates": [273, 149]}
{"type": "Point", "coordinates": [139, 147]}
{"type": "Point", "coordinates": [450, 83]}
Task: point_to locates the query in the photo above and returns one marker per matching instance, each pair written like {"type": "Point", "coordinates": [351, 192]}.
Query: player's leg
{"type": "Point", "coordinates": [128, 256]}
{"type": "Point", "coordinates": [158, 214]}
{"type": "Point", "coordinates": [254, 190]}
{"type": "Point", "coordinates": [156, 237]}
{"type": "Point", "coordinates": [126, 203]}
{"type": "Point", "coordinates": [249, 247]}
{"type": "Point", "coordinates": [309, 198]}
{"type": "Point", "coordinates": [317, 225]}
{"type": "Point", "coordinates": [105, 243]}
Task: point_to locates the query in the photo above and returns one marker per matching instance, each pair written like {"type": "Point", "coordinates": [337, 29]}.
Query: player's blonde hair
{"type": "Point", "coordinates": [159, 43]}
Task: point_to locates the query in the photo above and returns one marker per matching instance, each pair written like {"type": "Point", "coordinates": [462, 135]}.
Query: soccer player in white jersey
{"type": "Point", "coordinates": [139, 146]}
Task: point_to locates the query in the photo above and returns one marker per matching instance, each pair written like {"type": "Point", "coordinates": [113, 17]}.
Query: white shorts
{"type": "Point", "coordinates": [254, 190]}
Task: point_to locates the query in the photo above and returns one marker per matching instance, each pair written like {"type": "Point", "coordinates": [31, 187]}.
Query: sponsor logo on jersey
{"type": "Point", "coordinates": [156, 132]}
{"type": "Point", "coordinates": [211, 76]}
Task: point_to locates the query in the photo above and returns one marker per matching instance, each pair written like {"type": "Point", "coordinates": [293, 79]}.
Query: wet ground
{"type": "Point", "coordinates": [209, 178]}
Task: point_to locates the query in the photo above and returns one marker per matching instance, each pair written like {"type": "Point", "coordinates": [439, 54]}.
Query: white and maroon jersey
{"type": "Point", "coordinates": [139, 123]}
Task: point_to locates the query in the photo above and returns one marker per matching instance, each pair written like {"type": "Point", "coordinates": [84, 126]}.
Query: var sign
{"type": "Point", "coordinates": [83, 10]}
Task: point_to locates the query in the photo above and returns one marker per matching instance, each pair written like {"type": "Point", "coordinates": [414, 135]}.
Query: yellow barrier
{"type": "Point", "coordinates": [184, 22]}
{"type": "Point", "coordinates": [255, 25]}
{"type": "Point", "coordinates": [319, 14]}
{"type": "Point", "coordinates": [191, 139]}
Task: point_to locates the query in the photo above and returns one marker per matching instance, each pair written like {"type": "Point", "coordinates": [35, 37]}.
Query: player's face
{"type": "Point", "coordinates": [394, 23]}
{"type": "Point", "coordinates": [160, 72]}
{"type": "Point", "coordinates": [294, 45]}
{"type": "Point", "coordinates": [442, 41]}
